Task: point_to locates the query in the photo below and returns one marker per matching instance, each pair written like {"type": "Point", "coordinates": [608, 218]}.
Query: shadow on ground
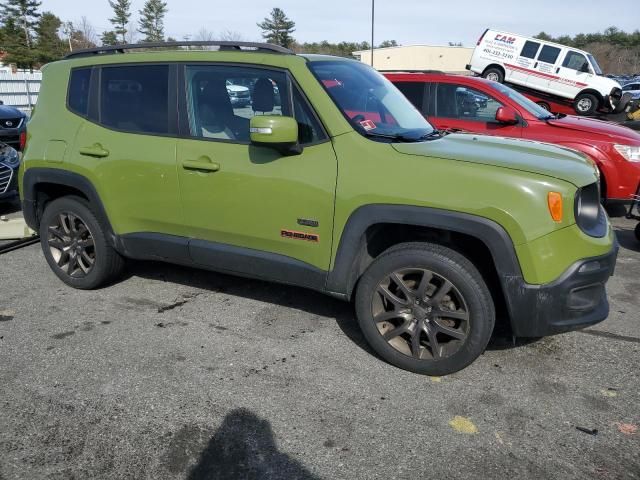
{"type": "Point", "coordinates": [627, 239]}
{"type": "Point", "coordinates": [10, 206]}
{"type": "Point", "coordinates": [244, 447]}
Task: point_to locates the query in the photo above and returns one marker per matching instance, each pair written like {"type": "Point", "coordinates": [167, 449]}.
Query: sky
{"type": "Point", "coordinates": [406, 21]}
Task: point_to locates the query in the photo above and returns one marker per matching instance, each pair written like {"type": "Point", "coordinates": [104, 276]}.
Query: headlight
{"type": "Point", "coordinates": [628, 152]}
{"type": "Point", "coordinates": [11, 159]}
{"type": "Point", "coordinates": [590, 216]}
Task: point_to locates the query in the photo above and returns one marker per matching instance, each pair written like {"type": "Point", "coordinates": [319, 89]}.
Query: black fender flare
{"type": "Point", "coordinates": [33, 177]}
{"type": "Point", "coordinates": [341, 279]}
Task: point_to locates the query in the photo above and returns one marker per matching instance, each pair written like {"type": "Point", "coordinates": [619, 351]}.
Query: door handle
{"type": "Point", "coordinates": [535, 65]}
{"type": "Point", "coordinates": [201, 165]}
{"type": "Point", "coordinates": [557, 69]}
{"type": "Point", "coordinates": [95, 150]}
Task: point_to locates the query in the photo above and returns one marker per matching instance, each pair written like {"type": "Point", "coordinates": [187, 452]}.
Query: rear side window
{"type": "Point", "coordinates": [78, 93]}
{"type": "Point", "coordinates": [548, 54]}
{"type": "Point", "coordinates": [530, 49]}
{"type": "Point", "coordinates": [414, 91]}
{"type": "Point", "coordinates": [135, 98]}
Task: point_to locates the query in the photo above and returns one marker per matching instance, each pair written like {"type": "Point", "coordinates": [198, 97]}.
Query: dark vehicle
{"type": "Point", "coordinates": [13, 129]}
{"type": "Point", "coordinates": [9, 163]}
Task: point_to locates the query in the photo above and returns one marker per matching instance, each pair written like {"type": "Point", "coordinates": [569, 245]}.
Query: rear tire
{"type": "Point", "coordinates": [586, 104]}
{"type": "Point", "coordinates": [425, 308]}
{"type": "Point", "coordinates": [494, 74]}
{"type": "Point", "coordinates": [75, 245]}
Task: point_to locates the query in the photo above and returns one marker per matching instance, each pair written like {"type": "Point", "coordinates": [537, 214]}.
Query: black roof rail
{"type": "Point", "coordinates": [402, 70]}
{"type": "Point", "coordinates": [223, 45]}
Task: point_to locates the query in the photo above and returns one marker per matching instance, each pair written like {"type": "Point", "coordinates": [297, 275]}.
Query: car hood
{"type": "Point", "coordinates": [10, 112]}
{"type": "Point", "coordinates": [596, 127]}
{"type": "Point", "coordinates": [524, 155]}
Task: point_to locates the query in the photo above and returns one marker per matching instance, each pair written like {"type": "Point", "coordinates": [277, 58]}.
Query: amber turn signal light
{"type": "Point", "coordinates": [554, 200]}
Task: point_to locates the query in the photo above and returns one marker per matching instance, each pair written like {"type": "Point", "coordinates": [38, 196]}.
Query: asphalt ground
{"type": "Point", "coordinates": [180, 373]}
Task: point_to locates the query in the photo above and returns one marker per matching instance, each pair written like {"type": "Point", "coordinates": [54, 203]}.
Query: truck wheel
{"type": "Point", "coordinates": [585, 104]}
{"type": "Point", "coordinates": [75, 245]}
{"type": "Point", "coordinates": [544, 105]}
{"type": "Point", "coordinates": [494, 74]}
{"type": "Point", "coordinates": [425, 308]}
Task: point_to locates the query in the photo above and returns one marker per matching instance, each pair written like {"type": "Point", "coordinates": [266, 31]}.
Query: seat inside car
{"type": "Point", "coordinates": [263, 98]}
{"type": "Point", "coordinates": [216, 118]}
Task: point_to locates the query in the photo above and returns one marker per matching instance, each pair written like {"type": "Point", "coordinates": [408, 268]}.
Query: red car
{"type": "Point", "coordinates": [476, 105]}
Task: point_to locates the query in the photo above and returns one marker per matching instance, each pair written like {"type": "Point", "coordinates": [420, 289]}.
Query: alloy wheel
{"type": "Point", "coordinates": [584, 105]}
{"type": "Point", "coordinates": [71, 244]}
{"type": "Point", "coordinates": [494, 77]}
{"type": "Point", "coordinates": [421, 314]}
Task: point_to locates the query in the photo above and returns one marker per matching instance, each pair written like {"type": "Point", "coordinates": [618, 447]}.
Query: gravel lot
{"type": "Point", "coordinates": [178, 373]}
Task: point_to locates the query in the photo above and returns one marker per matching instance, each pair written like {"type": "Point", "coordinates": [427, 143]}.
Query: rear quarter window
{"type": "Point", "coordinates": [78, 92]}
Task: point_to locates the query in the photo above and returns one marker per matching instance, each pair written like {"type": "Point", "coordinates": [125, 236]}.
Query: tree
{"type": "Point", "coordinates": [48, 43]}
{"type": "Point", "coordinates": [121, 15]}
{"type": "Point", "coordinates": [13, 41]}
{"type": "Point", "coordinates": [278, 28]}
{"type": "Point", "coordinates": [388, 43]}
{"type": "Point", "coordinates": [24, 14]}
{"type": "Point", "coordinates": [109, 38]}
{"type": "Point", "coordinates": [151, 23]}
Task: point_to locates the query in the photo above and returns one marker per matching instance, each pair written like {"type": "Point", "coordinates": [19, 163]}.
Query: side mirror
{"type": "Point", "coordinates": [585, 68]}
{"type": "Point", "coordinates": [276, 131]}
{"type": "Point", "coordinates": [506, 116]}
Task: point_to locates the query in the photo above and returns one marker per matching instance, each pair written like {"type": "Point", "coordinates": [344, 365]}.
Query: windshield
{"type": "Point", "coordinates": [370, 102]}
{"type": "Point", "coordinates": [594, 64]}
{"type": "Point", "coordinates": [531, 107]}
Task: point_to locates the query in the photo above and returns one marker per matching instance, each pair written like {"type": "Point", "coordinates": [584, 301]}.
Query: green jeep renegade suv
{"type": "Point", "coordinates": [326, 178]}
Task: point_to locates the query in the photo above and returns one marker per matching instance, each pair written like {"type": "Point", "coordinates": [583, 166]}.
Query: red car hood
{"type": "Point", "coordinates": [598, 127]}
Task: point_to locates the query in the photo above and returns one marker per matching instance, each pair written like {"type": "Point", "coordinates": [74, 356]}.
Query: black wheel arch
{"type": "Point", "coordinates": [352, 257]}
{"type": "Point", "coordinates": [40, 185]}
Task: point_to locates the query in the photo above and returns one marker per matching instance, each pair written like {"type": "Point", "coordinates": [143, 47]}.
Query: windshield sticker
{"type": "Point", "coordinates": [368, 125]}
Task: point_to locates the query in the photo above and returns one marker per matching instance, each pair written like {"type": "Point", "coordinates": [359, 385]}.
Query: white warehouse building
{"type": "Point", "coordinates": [418, 57]}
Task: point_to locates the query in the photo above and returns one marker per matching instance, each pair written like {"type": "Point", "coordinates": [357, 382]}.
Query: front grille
{"type": "Point", "coordinates": [6, 174]}
{"type": "Point", "coordinates": [243, 94]}
{"type": "Point", "coordinates": [10, 122]}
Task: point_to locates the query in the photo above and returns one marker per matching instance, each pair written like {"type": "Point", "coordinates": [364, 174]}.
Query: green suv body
{"type": "Point", "coordinates": [329, 179]}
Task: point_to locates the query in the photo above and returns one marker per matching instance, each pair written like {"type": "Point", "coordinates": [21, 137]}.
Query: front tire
{"type": "Point", "coordinates": [75, 246]}
{"type": "Point", "coordinates": [585, 104]}
{"type": "Point", "coordinates": [425, 308]}
{"type": "Point", "coordinates": [494, 74]}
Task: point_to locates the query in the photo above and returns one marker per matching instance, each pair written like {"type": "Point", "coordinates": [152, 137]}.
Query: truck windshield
{"type": "Point", "coordinates": [531, 107]}
{"type": "Point", "coordinates": [370, 102]}
{"type": "Point", "coordinates": [594, 64]}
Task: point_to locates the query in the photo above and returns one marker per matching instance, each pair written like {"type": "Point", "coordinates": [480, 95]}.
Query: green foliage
{"type": "Point", "coordinates": [120, 19]}
{"type": "Point", "coordinates": [277, 28]}
{"type": "Point", "coordinates": [19, 18]}
{"type": "Point", "coordinates": [152, 20]}
{"type": "Point", "coordinates": [109, 38]}
{"type": "Point", "coordinates": [388, 43]}
{"type": "Point", "coordinates": [48, 45]}
{"type": "Point", "coordinates": [342, 49]}
{"type": "Point", "coordinates": [611, 35]}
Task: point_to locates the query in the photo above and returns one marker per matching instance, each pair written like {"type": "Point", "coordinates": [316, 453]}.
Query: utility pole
{"type": "Point", "coordinates": [373, 19]}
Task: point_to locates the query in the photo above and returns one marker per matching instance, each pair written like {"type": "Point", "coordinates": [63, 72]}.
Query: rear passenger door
{"type": "Point", "coordinates": [249, 207]}
{"type": "Point", "coordinates": [126, 146]}
{"type": "Point", "coordinates": [520, 72]}
{"type": "Point", "coordinates": [468, 109]}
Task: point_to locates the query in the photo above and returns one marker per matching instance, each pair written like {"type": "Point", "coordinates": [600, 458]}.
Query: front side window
{"type": "Point", "coordinates": [594, 64]}
{"type": "Point", "coordinates": [78, 94]}
{"type": "Point", "coordinates": [576, 61]}
{"type": "Point", "coordinates": [549, 54]}
{"type": "Point", "coordinates": [530, 49]}
{"type": "Point", "coordinates": [370, 102]}
{"type": "Point", "coordinates": [465, 103]}
{"type": "Point", "coordinates": [414, 91]}
{"type": "Point", "coordinates": [135, 98]}
{"type": "Point", "coordinates": [222, 99]}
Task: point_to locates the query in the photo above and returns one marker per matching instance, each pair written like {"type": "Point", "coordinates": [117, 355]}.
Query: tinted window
{"type": "Point", "coordinates": [414, 91]}
{"type": "Point", "coordinates": [631, 86]}
{"type": "Point", "coordinates": [309, 129]}
{"type": "Point", "coordinates": [462, 102]}
{"type": "Point", "coordinates": [222, 99]}
{"type": "Point", "coordinates": [135, 98]}
{"type": "Point", "coordinates": [576, 61]}
{"type": "Point", "coordinates": [548, 54]}
{"type": "Point", "coordinates": [530, 49]}
{"type": "Point", "coordinates": [78, 95]}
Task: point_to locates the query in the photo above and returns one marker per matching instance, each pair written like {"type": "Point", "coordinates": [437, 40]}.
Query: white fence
{"type": "Point", "coordinates": [20, 89]}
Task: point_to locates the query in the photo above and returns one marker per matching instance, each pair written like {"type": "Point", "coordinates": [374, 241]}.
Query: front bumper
{"type": "Point", "coordinates": [575, 300]}
{"type": "Point", "coordinates": [10, 188]}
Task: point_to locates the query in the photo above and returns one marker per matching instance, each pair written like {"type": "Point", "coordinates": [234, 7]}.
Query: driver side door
{"type": "Point", "coordinates": [249, 208]}
{"type": "Point", "coordinates": [462, 108]}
